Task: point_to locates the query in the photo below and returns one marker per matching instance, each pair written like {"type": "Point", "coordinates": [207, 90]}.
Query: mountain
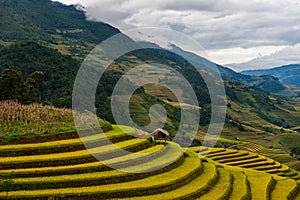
{"type": "Point", "coordinates": [60, 60]}
{"type": "Point", "coordinates": [46, 20]}
{"type": "Point", "coordinates": [60, 26]}
{"type": "Point", "coordinates": [266, 83]}
{"type": "Point", "coordinates": [65, 28]}
{"type": "Point", "coordinates": [289, 74]}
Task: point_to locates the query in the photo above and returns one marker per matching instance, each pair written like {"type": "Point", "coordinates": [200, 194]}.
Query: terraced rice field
{"type": "Point", "coordinates": [249, 160]}
{"type": "Point", "coordinates": [65, 170]}
{"type": "Point", "coordinates": [160, 91]}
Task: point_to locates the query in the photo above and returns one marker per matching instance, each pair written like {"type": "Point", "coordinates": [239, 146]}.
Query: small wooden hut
{"type": "Point", "coordinates": [160, 134]}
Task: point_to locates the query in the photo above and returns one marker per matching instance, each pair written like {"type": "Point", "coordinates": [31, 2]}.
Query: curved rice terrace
{"type": "Point", "coordinates": [165, 171]}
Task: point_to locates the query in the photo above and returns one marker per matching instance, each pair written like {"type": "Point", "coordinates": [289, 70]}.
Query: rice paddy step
{"type": "Point", "coordinates": [291, 173]}
{"type": "Point", "coordinates": [251, 147]}
{"type": "Point", "coordinates": [76, 157]}
{"type": "Point", "coordinates": [177, 177]}
{"type": "Point", "coordinates": [257, 164]}
{"type": "Point", "coordinates": [140, 156]}
{"type": "Point", "coordinates": [276, 165]}
{"type": "Point", "coordinates": [279, 171]}
{"type": "Point", "coordinates": [227, 152]}
{"type": "Point", "coordinates": [200, 185]}
{"type": "Point", "coordinates": [222, 189]}
{"type": "Point", "coordinates": [228, 156]}
{"type": "Point", "coordinates": [169, 160]}
{"type": "Point", "coordinates": [206, 150]}
{"type": "Point", "coordinates": [248, 161]}
{"type": "Point", "coordinates": [240, 187]}
{"type": "Point", "coordinates": [285, 189]}
{"type": "Point", "coordinates": [244, 159]}
{"type": "Point", "coordinates": [59, 146]}
{"type": "Point", "coordinates": [146, 154]}
{"type": "Point", "coordinates": [261, 185]}
{"type": "Point", "coordinates": [295, 177]}
{"type": "Point", "coordinates": [162, 172]}
{"type": "Point", "coordinates": [241, 158]}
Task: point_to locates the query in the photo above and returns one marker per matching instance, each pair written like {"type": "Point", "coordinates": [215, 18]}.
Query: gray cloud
{"type": "Point", "coordinates": [217, 24]}
{"type": "Point", "coordinates": [221, 24]}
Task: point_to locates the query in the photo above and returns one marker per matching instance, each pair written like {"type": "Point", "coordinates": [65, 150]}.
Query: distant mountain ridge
{"type": "Point", "coordinates": [267, 83]}
{"type": "Point", "coordinates": [289, 74]}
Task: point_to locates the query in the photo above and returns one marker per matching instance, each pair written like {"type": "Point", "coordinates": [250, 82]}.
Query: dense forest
{"type": "Point", "coordinates": [14, 87]}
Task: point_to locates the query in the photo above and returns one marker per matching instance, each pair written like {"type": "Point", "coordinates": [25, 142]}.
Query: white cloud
{"type": "Point", "coordinates": [288, 55]}
{"type": "Point", "coordinates": [230, 55]}
{"type": "Point", "coordinates": [230, 30]}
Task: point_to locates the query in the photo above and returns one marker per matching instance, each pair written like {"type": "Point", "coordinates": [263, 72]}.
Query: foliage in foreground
{"type": "Point", "coordinates": [19, 121]}
{"type": "Point", "coordinates": [35, 118]}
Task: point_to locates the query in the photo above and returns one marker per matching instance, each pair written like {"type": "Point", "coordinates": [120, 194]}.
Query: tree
{"type": "Point", "coordinates": [30, 95]}
{"type": "Point", "coordinates": [12, 85]}
{"type": "Point", "coordinates": [36, 79]}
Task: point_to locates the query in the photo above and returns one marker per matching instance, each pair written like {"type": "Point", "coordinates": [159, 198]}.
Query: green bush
{"type": "Point", "coordinates": [105, 125]}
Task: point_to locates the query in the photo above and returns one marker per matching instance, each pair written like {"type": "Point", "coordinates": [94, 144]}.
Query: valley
{"type": "Point", "coordinates": [44, 155]}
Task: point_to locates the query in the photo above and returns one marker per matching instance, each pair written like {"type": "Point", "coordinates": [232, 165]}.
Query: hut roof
{"type": "Point", "coordinates": [156, 131]}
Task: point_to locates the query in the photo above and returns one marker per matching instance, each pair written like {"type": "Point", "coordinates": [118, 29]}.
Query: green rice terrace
{"type": "Point", "coordinates": [64, 169]}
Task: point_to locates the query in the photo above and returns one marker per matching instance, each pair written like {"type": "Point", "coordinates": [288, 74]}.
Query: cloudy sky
{"type": "Point", "coordinates": [257, 33]}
